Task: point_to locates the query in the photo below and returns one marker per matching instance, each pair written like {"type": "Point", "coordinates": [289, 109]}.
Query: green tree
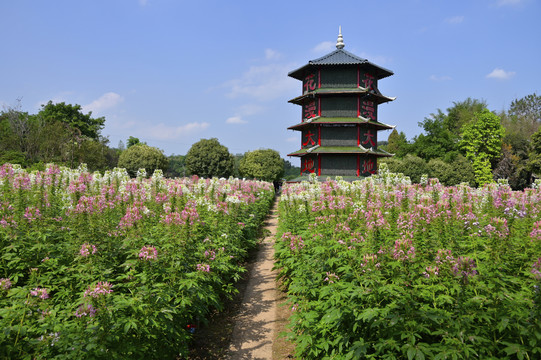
{"type": "Point", "coordinates": [133, 141]}
{"type": "Point", "coordinates": [263, 164]}
{"type": "Point", "coordinates": [177, 166]}
{"type": "Point", "coordinates": [534, 162]}
{"type": "Point", "coordinates": [482, 143]}
{"type": "Point", "coordinates": [291, 171]}
{"type": "Point", "coordinates": [74, 117]}
{"type": "Point", "coordinates": [397, 144]}
{"type": "Point", "coordinates": [142, 156]}
{"type": "Point", "coordinates": [208, 158]}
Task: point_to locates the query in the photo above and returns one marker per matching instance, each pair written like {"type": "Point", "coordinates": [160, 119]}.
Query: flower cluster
{"type": "Point", "coordinates": [101, 288]}
{"type": "Point", "coordinates": [536, 269]}
{"type": "Point", "coordinates": [403, 250]}
{"type": "Point", "coordinates": [465, 267]}
{"type": "Point", "coordinates": [85, 310]}
{"type": "Point", "coordinates": [86, 248]}
{"type": "Point", "coordinates": [331, 277]}
{"type": "Point", "coordinates": [5, 284]}
{"type": "Point", "coordinates": [40, 292]}
{"type": "Point", "coordinates": [148, 253]}
{"type": "Point", "coordinates": [203, 267]}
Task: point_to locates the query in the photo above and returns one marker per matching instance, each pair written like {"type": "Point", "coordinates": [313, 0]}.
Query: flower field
{"type": "Point", "coordinates": [383, 269]}
{"type": "Point", "coordinates": [104, 266]}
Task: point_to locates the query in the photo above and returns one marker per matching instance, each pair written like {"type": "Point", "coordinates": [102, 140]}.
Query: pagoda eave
{"type": "Point", "coordinates": [329, 121]}
{"type": "Point", "coordinates": [345, 150]}
{"type": "Point", "coordinates": [377, 97]}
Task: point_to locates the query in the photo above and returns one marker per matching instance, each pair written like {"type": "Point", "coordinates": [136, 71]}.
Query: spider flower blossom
{"type": "Point", "coordinates": [203, 267]}
{"type": "Point", "coordinates": [5, 284]}
{"type": "Point", "coordinates": [86, 248]}
{"type": "Point", "coordinates": [536, 269]}
{"type": "Point", "coordinates": [148, 253]}
{"type": "Point", "coordinates": [40, 292]}
{"type": "Point", "coordinates": [85, 310]}
{"type": "Point", "coordinates": [465, 267]}
{"type": "Point", "coordinates": [101, 288]}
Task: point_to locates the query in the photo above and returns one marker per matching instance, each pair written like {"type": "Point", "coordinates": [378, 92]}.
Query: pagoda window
{"type": "Point", "coordinates": [339, 136]}
{"type": "Point", "coordinates": [339, 107]}
{"type": "Point", "coordinates": [338, 78]}
{"type": "Point", "coordinates": [339, 165]}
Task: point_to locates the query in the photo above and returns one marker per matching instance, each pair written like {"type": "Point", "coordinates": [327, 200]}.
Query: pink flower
{"type": "Point", "coordinates": [40, 292]}
{"type": "Point", "coordinates": [85, 249]}
{"type": "Point", "coordinates": [536, 269]}
{"type": "Point", "coordinates": [148, 253]}
{"type": "Point", "coordinates": [203, 267]}
{"type": "Point", "coordinates": [85, 310]}
{"type": "Point", "coordinates": [101, 288]}
{"type": "Point", "coordinates": [5, 284]}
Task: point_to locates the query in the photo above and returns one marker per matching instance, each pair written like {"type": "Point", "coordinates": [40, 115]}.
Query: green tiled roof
{"type": "Point", "coordinates": [379, 98]}
{"type": "Point", "coordinates": [340, 57]}
{"type": "Point", "coordinates": [341, 120]}
{"type": "Point", "coordinates": [339, 150]}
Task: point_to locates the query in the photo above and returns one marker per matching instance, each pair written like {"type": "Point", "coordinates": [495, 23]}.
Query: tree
{"type": "Point", "coordinates": [208, 158]}
{"type": "Point", "coordinates": [482, 142]}
{"type": "Point", "coordinates": [263, 164]}
{"type": "Point", "coordinates": [397, 144]}
{"type": "Point", "coordinates": [74, 117]}
{"type": "Point", "coordinates": [534, 162]}
{"type": "Point", "coordinates": [133, 141]}
{"type": "Point", "coordinates": [142, 156]}
{"type": "Point", "coordinates": [291, 171]}
{"type": "Point", "coordinates": [177, 166]}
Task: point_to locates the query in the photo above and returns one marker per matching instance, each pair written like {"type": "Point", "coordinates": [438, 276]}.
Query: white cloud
{"type": "Point", "coordinates": [454, 20]}
{"type": "Point", "coordinates": [236, 120]}
{"type": "Point", "coordinates": [501, 74]}
{"type": "Point", "coordinates": [143, 2]}
{"type": "Point", "coordinates": [272, 54]}
{"type": "Point", "coordinates": [440, 78]}
{"type": "Point", "coordinates": [106, 101]}
{"type": "Point", "coordinates": [324, 47]}
{"type": "Point", "coordinates": [265, 82]}
{"type": "Point", "coordinates": [162, 131]}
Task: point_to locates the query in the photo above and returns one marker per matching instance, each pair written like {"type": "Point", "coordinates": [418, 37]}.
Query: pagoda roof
{"type": "Point", "coordinates": [341, 120]}
{"type": "Point", "coordinates": [377, 96]}
{"type": "Point", "coordinates": [340, 57]}
{"type": "Point", "coordinates": [340, 150]}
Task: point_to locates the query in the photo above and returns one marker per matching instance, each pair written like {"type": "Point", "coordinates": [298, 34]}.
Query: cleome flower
{"type": "Point", "coordinates": [85, 310]}
{"type": "Point", "coordinates": [148, 253]}
{"type": "Point", "coordinates": [101, 288]}
{"type": "Point", "coordinates": [536, 269]}
{"type": "Point", "coordinates": [86, 248]}
{"type": "Point", "coordinates": [5, 284]}
{"type": "Point", "coordinates": [40, 292]}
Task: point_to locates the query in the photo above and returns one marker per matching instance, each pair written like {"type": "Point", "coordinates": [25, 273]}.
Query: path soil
{"type": "Point", "coordinates": [251, 324]}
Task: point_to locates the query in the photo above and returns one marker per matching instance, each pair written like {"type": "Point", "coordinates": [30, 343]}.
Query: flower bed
{"type": "Point", "coordinates": [103, 266]}
{"type": "Point", "coordinates": [382, 269]}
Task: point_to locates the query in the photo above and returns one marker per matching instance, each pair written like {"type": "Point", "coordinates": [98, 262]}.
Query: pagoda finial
{"type": "Point", "coordinates": [340, 42]}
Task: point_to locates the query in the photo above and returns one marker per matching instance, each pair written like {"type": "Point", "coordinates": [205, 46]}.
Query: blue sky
{"type": "Point", "coordinates": [174, 72]}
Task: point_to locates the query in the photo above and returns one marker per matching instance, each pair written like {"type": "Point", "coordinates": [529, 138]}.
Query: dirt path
{"type": "Point", "coordinates": [249, 325]}
{"type": "Point", "coordinates": [255, 326]}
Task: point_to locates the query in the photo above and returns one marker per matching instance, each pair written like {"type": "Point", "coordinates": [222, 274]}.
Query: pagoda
{"type": "Point", "coordinates": [339, 124]}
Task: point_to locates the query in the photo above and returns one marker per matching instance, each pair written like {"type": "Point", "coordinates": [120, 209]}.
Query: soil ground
{"type": "Point", "coordinates": [252, 324]}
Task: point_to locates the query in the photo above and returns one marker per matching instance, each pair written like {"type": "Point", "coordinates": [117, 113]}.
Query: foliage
{"type": "Point", "coordinates": [133, 141]}
{"type": "Point", "coordinates": [177, 166]}
{"type": "Point", "coordinates": [412, 166]}
{"type": "Point", "coordinates": [482, 142]}
{"type": "Point", "coordinates": [208, 158]}
{"type": "Point", "coordinates": [389, 270]}
{"type": "Point", "coordinates": [142, 157]}
{"type": "Point", "coordinates": [397, 144]}
{"type": "Point", "coordinates": [262, 164]}
{"type": "Point", "coordinates": [534, 162]}
{"type": "Point", "coordinates": [73, 116]}
{"type": "Point", "coordinates": [291, 171]}
{"type": "Point", "coordinates": [103, 266]}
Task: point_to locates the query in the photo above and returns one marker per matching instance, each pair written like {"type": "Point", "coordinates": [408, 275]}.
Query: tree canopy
{"type": "Point", "coordinates": [208, 158]}
{"type": "Point", "coordinates": [74, 117]}
{"type": "Point", "coordinates": [263, 164]}
{"type": "Point", "coordinates": [142, 156]}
